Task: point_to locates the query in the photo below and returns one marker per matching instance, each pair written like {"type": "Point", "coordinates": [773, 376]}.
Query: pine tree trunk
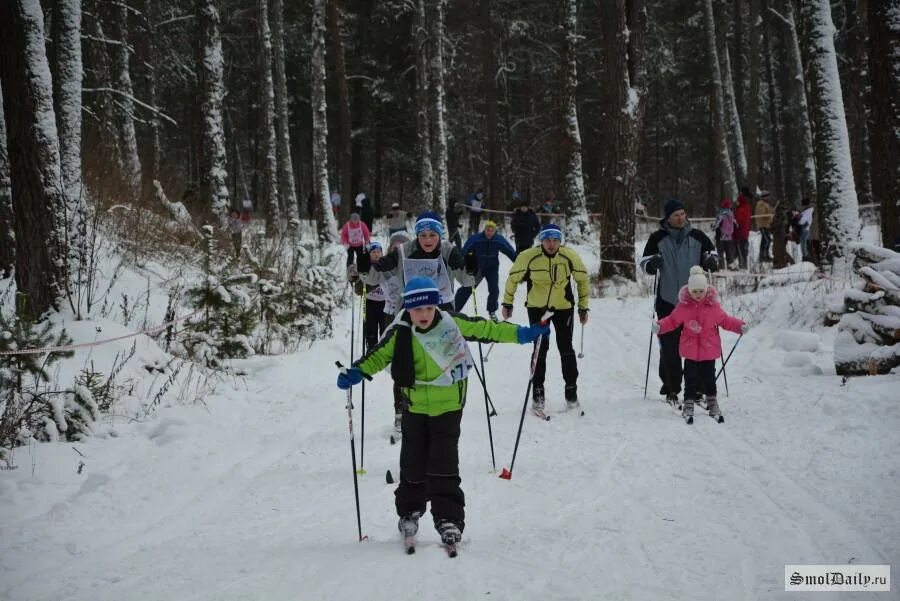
{"type": "Point", "coordinates": [884, 43]}
{"type": "Point", "coordinates": [345, 149]}
{"type": "Point", "coordinates": [740, 58]}
{"type": "Point", "coordinates": [123, 107]}
{"type": "Point", "coordinates": [439, 142]}
{"type": "Point", "coordinates": [7, 233]}
{"type": "Point", "coordinates": [423, 123]}
{"type": "Point", "coordinates": [623, 27]}
{"type": "Point", "coordinates": [856, 87]}
{"type": "Point", "coordinates": [269, 192]}
{"type": "Point", "coordinates": [751, 103]}
{"type": "Point", "coordinates": [106, 163]}
{"type": "Point", "coordinates": [67, 95]}
{"type": "Point", "coordinates": [732, 117]}
{"type": "Point", "coordinates": [800, 107]}
{"type": "Point", "coordinates": [834, 172]}
{"type": "Point", "coordinates": [151, 60]}
{"type": "Point", "coordinates": [286, 189]}
{"type": "Point", "coordinates": [37, 196]}
{"type": "Point", "coordinates": [779, 238]}
{"type": "Point", "coordinates": [726, 179]}
{"type": "Point", "coordinates": [492, 187]}
{"type": "Point", "coordinates": [327, 225]}
{"type": "Point", "coordinates": [578, 228]}
{"type": "Point", "coordinates": [214, 195]}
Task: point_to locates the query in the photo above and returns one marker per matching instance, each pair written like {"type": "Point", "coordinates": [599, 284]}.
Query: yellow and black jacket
{"type": "Point", "coordinates": [548, 279]}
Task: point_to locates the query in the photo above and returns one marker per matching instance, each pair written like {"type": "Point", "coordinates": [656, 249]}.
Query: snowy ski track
{"type": "Point", "coordinates": [251, 497]}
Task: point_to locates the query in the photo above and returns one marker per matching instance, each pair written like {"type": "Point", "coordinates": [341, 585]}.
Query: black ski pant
{"type": "Point", "coordinates": [699, 379]}
{"type": "Point", "coordinates": [358, 252]}
{"type": "Point", "coordinates": [523, 243]}
{"type": "Point", "coordinates": [429, 467]}
{"type": "Point", "coordinates": [563, 324]}
{"type": "Point", "coordinates": [374, 324]}
{"type": "Point", "coordinates": [670, 368]}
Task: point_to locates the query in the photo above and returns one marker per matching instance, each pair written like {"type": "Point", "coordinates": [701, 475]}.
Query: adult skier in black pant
{"type": "Point", "coordinates": [671, 252]}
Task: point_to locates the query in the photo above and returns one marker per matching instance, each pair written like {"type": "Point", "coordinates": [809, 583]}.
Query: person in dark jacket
{"type": "Point", "coordinates": [452, 215]}
{"type": "Point", "coordinates": [742, 235]}
{"type": "Point", "coordinates": [669, 254]}
{"type": "Point", "coordinates": [525, 226]}
{"type": "Point", "coordinates": [364, 208]}
{"type": "Point", "coordinates": [484, 248]}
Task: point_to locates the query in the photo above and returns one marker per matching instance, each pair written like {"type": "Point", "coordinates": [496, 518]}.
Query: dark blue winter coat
{"type": "Point", "coordinates": [487, 250]}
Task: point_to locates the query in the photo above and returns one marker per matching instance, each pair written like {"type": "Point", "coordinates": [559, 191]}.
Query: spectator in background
{"type": "Point", "coordinates": [742, 235]}
{"type": "Point", "coordinates": [335, 202]}
{"type": "Point", "coordinates": [525, 226]}
{"type": "Point", "coordinates": [548, 209]}
{"type": "Point", "coordinates": [452, 215]}
{"type": "Point", "coordinates": [804, 226]}
{"type": "Point", "coordinates": [476, 206]}
{"type": "Point", "coordinates": [724, 227]}
{"type": "Point", "coordinates": [763, 213]}
{"type": "Point", "coordinates": [364, 208]}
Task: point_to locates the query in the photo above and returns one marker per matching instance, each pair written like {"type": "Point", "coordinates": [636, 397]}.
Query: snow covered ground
{"type": "Point", "coordinates": [250, 496]}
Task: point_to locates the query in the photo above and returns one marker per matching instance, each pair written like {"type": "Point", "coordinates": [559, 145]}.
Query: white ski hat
{"type": "Point", "coordinates": [697, 279]}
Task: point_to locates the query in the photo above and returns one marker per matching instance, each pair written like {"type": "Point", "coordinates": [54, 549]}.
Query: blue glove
{"type": "Point", "coordinates": [348, 378]}
{"type": "Point", "coordinates": [526, 334]}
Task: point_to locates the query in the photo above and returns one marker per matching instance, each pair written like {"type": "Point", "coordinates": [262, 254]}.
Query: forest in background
{"type": "Point", "coordinates": [601, 104]}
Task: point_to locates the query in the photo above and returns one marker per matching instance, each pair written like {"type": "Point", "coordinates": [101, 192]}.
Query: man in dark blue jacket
{"type": "Point", "coordinates": [482, 254]}
{"type": "Point", "coordinates": [525, 226]}
{"type": "Point", "coordinates": [669, 254]}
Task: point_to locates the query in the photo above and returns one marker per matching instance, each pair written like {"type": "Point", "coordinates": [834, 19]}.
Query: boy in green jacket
{"type": "Point", "coordinates": [430, 360]}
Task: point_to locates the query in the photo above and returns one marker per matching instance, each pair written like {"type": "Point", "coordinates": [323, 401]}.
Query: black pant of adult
{"type": "Point", "coordinates": [670, 368]}
{"type": "Point", "coordinates": [374, 324]}
{"type": "Point", "coordinates": [357, 251]}
{"type": "Point", "coordinates": [429, 467]}
{"type": "Point", "coordinates": [563, 324]}
{"type": "Point", "coordinates": [699, 379]}
{"type": "Point", "coordinates": [523, 243]}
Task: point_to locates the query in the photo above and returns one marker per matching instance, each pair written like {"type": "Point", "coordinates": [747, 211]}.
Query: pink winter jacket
{"type": "Point", "coordinates": [355, 236]}
{"type": "Point", "coordinates": [700, 337]}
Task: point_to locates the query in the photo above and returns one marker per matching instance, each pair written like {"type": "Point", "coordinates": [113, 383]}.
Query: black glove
{"type": "Point", "coordinates": [582, 312]}
{"type": "Point", "coordinates": [377, 266]}
{"type": "Point", "coordinates": [653, 264]}
{"type": "Point", "coordinates": [711, 262]}
{"type": "Point", "coordinates": [471, 263]}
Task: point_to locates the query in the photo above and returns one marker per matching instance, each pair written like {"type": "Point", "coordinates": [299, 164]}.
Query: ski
{"type": "Point", "coordinates": [574, 408]}
{"type": "Point", "coordinates": [409, 544]}
{"type": "Point", "coordinates": [720, 419]}
{"type": "Point", "coordinates": [451, 550]}
{"type": "Point", "coordinates": [540, 414]}
{"type": "Point", "coordinates": [688, 419]}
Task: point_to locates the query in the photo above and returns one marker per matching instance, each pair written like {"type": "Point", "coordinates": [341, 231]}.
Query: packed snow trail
{"type": "Point", "coordinates": [251, 496]}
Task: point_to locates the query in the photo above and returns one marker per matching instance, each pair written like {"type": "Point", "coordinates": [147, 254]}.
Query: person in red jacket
{"type": "Point", "coordinates": [700, 315]}
{"type": "Point", "coordinates": [742, 235]}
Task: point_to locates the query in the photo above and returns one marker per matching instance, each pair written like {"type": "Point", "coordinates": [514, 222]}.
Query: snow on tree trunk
{"type": "Point", "coordinates": [799, 105]}
{"type": "Point", "coordinates": [345, 147]}
{"type": "Point", "coordinates": [37, 196]}
{"type": "Point", "coordinates": [269, 191]}
{"type": "Point", "coordinates": [578, 227]}
{"type": "Point", "coordinates": [868, 315]}
{"type": "Point", "coordinates": [732, 118]}
{"type": "Point", "coordinates": [7, 233]}
{"type": "Point", "coordinates": [213, 170]}
{"type": "Point", "coordinates": [884, 69]}
{"type": "Point", "coordinates": [439, 142]}
{"type": "Point", "coordinates": [67, 93]}
{"type": "Point", "coordinates": [124, 101]}
{"type": "Point", "coordinates": [623, 31]}
{"type": "Point", "coordinates": [834, 171]}
{"type": "Point", "coordinates": [327, 224]}
{"type": "Point", "coordinates": [726, 180]}
{"type": "Point", "coordinates": [423, 126]}
{"type": "Point", "coordinates": [286, 188]}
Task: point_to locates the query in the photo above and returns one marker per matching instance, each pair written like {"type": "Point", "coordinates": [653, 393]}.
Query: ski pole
{"type": "Point", "coordinates": [506, 474]}
{"type": "Point", "coordinates": [581, 351]}
{"type": "Point", "coordinates": [483, 379]}
{"type": "Point", "coordinates": [362, 433]}
{"type": "Point", "coordinates": [650, 346]}
{"type": "Point", "coordinates": [722, 357]}
{"type": "Point", "coordinates": [488, 353]}
{"type": "Point", "coordinates": [493, 412]}
{"type": "Point", "coordinates": [722, 369]}
{"type": "Point", "coordinates": [353, 453]}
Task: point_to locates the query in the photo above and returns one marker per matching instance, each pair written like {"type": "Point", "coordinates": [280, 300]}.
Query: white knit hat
{"type": "Point", "coordinates": [697, 280]}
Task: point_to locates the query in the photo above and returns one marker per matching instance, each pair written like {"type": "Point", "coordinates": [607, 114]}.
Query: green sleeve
{"type": "Point", "coordinates": [380, 355]}
{"type": "Point", "coordinates": [486, 330]}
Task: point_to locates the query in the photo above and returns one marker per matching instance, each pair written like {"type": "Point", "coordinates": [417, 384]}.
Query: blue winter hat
{"type": "Point", "coordinates": [429, 220]}
{"type": "Point", "coordinates": [420, 292]}
{"type": "Point", "coordinates": [375, 245]}
{"type": "Point", "coordinates": [550, 231]}
{"type": "Point", "coordinates": [672, 205]}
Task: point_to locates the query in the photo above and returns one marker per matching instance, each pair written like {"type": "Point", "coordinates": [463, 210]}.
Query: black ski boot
{"type": "Point", "coordinates": [409, 524]}
{"type": "Point", "coordinates": [449, 531]}
{"type": "Point", "coordinates": [537, 398]}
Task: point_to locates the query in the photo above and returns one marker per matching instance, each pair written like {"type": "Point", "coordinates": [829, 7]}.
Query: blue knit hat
{"type": "Point", "coordinates": [550, 231]}
{"type": "Point", "coordinates": [375, 245]}
{"type": "Point", "coordinates": [672, 205]}
{"type": "Point", "coordinates": [429, 220]}
{"type": "Point", "coordinates": [420, 292]}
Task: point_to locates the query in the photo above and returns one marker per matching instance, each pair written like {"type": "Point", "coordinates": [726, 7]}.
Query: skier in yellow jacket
{"type": "Point", "coordinates": [548, 269]}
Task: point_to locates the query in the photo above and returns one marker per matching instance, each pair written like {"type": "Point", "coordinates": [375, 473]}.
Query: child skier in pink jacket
{"type": "Point", "coordinates": [699, 314]}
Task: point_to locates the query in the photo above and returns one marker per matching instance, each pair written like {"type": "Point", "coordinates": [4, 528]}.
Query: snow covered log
{"type": "Point", "coordinates": [868, 316]}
